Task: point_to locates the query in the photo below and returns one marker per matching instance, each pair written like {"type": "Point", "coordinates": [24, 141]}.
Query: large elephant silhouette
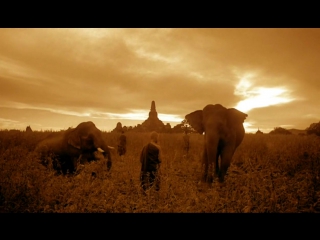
{"type": "Point", "coordinates": [75, 145]}
{"type": "Point", "coordinates": [224, 132]}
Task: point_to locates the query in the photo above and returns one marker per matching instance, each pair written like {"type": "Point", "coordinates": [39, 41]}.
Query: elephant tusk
{"type": "Point", "coordinates": [110, 147]}
{"type": "Point", "coordinates": [100, 150]}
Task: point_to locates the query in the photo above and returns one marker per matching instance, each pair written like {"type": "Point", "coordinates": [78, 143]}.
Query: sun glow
{"type": "Point", "coordinates": [258, 97]}
{"type": "Point", "coordinates": [248, 127]}
{"type": "Point", "coordinates": [143, 115]}
{"type": "Point", "coordinates": [170, 118]}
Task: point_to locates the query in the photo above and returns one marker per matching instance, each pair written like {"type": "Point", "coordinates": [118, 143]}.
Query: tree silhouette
{"type": "Point", "coordinates": [314, 128]}
{"type": "Point", "coordinates": [186, 127]}
{"type": "Point", "coordinates": [280, 130]}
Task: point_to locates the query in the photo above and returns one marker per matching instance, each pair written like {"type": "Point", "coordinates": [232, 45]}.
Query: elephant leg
{"type": "Point", "coordinates": [73, 164]}
{"type": "Point", "coordinates": [226, 157]}
{"type": "Point", "coordinates": [64, 168]}
{"type": "Point", "coordinates": [56, 164]}
{"type": "Point", "coordinates": [216, 165]}
{"type": "Point", "coordinates": [109, 161]}
{"type": "Point", "coordinates": [211, 157]}
{"type": "Point", "coordinates": [209, 169]}
{"type": "Point", "coordinates": [204, 166]}
{"type": "Point", "coordinates": [70, 167]}
{"type": "Point", "coordinates": [67, 164]}
{"type": "Point", "coordinates": [218, 157]}
{"type": "Point", "coordinates": [76, 162]}
{"type": "Point", "coordinates": [210, 173]}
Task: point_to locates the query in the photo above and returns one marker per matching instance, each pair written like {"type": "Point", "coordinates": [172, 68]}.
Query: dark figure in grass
{"type": "Point", "coordinates": [122, 144]}
{"type": "Point", "coordinates": [186, 142]}
{"type": "Point", "coordinates": [150, 159]}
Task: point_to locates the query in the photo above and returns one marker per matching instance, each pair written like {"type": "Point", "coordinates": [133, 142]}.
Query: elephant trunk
{"type": "Point", "coordinates": [211, 156]}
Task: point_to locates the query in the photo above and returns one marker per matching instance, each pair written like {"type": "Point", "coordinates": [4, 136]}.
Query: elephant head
{"type": "Point", "coordinates": [87, 139]}
{"type": "Point", "coordinates": [224, 132]}
{"type": "Point", "coordinates": [77, 145]}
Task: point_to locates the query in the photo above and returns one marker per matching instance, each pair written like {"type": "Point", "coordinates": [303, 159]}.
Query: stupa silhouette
{"type": "Point", "coordinates": [153, 123]}
{"type": "Point", "coordinates": [259, 132]}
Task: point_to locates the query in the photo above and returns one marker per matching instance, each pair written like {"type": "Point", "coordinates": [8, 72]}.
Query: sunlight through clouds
{"type": "Point", "coordinates": [56, 77]}
{"type": "Point", "coordinates": [248, 127]}
{"type": "Point", "coordinates": [8, 120]}
{"type": "Point", "coordinates": [138, 115]}
{"type": "Point", "coordinates": [170, 118]}
{"type": "Point", "coordinates": [49, 109]}
{"type": "Point", "coordinates": [95, 33]}
{"type": "Point", "coordinates": [259, 97]}
{"type": "Point", "coordinates": [143, 115]}
{"type": "Point", "coordinates": [156, 56]}
{"type": "Point", "coordinates": [19, 72]}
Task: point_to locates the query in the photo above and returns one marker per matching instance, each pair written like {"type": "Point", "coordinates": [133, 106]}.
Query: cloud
{"type": "Point", "coordinates": [111, 75]}
{"type": "Point", "coordinates": [258, 97]}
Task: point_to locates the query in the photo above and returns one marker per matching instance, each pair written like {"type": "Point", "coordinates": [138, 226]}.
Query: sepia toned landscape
{"type": "Point", "coordinates": [232, 116]}
{"type": "Point", "coordinates": [269, 173]}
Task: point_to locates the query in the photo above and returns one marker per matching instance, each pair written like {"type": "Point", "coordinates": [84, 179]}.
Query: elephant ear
{"type": "Point", "coordinates": [74, 139]}
{"type": "Point", "coordinates": [235, 117]}
{"type": "Point", "coordinates": [195, 120]}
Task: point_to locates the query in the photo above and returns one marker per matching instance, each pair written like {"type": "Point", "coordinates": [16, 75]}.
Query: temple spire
{"type": "Point", "coordinates": [153, 123]}
{"type": "Point", "coordinates": [153, 106]}
{"type": "Point", "coordinates": [153, 113]}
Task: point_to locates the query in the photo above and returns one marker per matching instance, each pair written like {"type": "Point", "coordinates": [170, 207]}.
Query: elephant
{"type": "Point", "coordinates": [224, 132]}
{"type": "Point", "coordinates": [76, 145]}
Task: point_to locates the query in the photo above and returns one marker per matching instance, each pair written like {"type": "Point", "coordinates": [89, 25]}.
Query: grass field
{"type": "Point", "coordinates": [269, 173]}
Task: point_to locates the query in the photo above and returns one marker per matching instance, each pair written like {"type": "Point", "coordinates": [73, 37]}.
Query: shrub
{"type": "Point", "coordinates": [314, 128]}
{"type": "Point", "coordinates": [280, 130]}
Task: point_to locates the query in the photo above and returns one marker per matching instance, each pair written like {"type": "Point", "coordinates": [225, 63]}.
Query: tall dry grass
{"type": "Point", "coordinates": [269, 173]}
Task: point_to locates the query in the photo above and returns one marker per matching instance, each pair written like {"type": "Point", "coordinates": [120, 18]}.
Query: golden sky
{"type": "Point", "coordinates": [52, 78]}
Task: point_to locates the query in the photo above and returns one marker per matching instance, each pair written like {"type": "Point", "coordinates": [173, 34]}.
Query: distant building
{"type": "Point", "coordinates": [259, 132]}
{"type": "Point", "coordinates": [153, 123]}
{"type": "Point", "coordinates": [28, 129]}
{"type": "Point", "coordinates": [118, 128]}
